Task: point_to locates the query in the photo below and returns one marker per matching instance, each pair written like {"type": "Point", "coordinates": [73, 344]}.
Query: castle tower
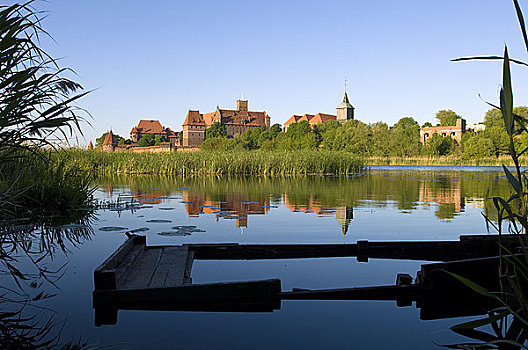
{"type": "Point", "coordinates": [345, 111]}
{"type": "Point", "coordinates": [109, 143]}
{"type": "Point", "coordinates": [242, 105]}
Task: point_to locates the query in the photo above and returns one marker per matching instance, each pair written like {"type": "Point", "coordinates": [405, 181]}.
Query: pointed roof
{"type": "Point", "coordinates": [194, 118]}
{"type": "Point", "coordinates": [345, 103]}
{"type": "Point", "coordinates": [109, 139]}
{"type": "Point", "coordinates": [90, 145]}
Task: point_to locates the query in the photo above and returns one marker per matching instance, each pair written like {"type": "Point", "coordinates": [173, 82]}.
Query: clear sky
{"type": "Point", "coordinates": [157, 59]}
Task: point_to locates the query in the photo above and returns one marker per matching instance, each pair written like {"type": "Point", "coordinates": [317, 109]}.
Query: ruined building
{"type": "Point", "coordinates": [455, 132]}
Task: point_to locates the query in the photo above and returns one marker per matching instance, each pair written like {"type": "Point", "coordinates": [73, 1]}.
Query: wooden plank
{"type": "Point", "coordinates": [142, 269]}
{"type": "Point", "coordinates": [170, 269]}
{"type": "Point", "coordinates": [105, 275]}
{"type": "Point", "coordinates": [212, 293]}
{"type": "Point", "coordinates": [124, 267]}
{"type": "Point", "coordinates": [187, 279]}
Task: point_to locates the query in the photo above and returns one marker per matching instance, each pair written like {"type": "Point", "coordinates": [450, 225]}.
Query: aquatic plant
{"type": "Point", "coordinates": [37, 108]}
{"type": "Point", "coordinates": [509, 322]}
{"type": "Point", "coordinates": [215, 163]}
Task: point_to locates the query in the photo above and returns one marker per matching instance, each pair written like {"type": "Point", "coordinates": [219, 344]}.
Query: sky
{"type": "Point", "coordinates": [158, 59]}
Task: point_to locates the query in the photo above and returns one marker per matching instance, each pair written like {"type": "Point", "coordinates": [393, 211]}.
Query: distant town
{"type": "Point", "coordinates": [151, 136]}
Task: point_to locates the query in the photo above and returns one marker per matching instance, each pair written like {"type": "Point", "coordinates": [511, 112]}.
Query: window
{"type": "Point", "coordinates": [444, 134]}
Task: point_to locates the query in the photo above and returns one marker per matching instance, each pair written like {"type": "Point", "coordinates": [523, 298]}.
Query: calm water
{"type": "Point", "coordinates": [390, 203]}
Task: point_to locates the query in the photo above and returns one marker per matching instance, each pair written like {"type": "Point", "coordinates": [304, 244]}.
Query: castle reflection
{"type": "Point", "coordinates": [237, 199]}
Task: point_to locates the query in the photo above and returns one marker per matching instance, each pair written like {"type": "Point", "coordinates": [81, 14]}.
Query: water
{"type": "Point", "coordinates": [388, 204]}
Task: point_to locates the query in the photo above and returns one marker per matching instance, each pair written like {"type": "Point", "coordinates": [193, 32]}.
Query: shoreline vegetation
{"type": "Point", "coordinates": [302, 162]}
{"type": "Point", "coordinates": [443, 161]}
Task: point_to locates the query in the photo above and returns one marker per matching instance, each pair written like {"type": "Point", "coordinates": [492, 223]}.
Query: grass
{"type": "Point", "coordinates": [441, 160]}
{"type": "Point", "coordinates": [40, 185]}
{"type": "Point", "coordinates": [214, 163]}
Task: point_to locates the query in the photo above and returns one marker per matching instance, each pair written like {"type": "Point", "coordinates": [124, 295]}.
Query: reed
{"type": "Point", "coordinates": [215, 163]}
{"type": "Point", "coordinates": [443, 161]}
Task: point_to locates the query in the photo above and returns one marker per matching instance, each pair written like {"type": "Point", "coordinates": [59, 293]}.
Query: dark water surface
{"type": "Point", "coordinates": [388, 204]}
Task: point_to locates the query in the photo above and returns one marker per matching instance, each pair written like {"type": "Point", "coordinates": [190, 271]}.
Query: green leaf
{"type": "Point", "coordinates": [506, 95]}
{"type": "Point", "coordinates": [514, 182]}
{"type": "Point", "coordinates": [521, 22]}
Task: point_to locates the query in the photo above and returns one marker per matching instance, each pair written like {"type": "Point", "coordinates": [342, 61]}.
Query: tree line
{"type": "Point", "coordinates": [373, 140]}
{"type": "Point", "coordinates": [376, 139]}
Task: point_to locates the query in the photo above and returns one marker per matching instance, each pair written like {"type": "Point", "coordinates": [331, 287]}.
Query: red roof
{"type": "Point", "coordinates": [148, 127]}
{"type": "Point", "coordinates": [193, 118]}
{"type": "Point", "coordinates": [109, 139]}
{"type": "Point", "coordinates": [310, 118]}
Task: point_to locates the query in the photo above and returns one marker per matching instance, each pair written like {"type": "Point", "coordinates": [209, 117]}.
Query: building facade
{"type": "Point", "coordinates": [154, 128]}
{"type": "Point", "coordinates": [455, 132]}
{"type": "Point", "coordinates": [345, 112]}
{"type": "Point", "coordinates": [236, 121]}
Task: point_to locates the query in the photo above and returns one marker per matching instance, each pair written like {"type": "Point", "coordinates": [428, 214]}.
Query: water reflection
{"type": "Point", "coordinates": [29, 277]}
{"type": "Point", "coordinates": [449, 192]}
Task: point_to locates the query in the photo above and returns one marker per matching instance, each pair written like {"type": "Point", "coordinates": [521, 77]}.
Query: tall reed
{"type": "Point", "coordinates": [215, 163]}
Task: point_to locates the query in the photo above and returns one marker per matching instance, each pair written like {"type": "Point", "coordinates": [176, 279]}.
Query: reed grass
{"type": "Point", "coordinates": [215, 163]}
{"type": "Point", "coordinates": [443, 161]}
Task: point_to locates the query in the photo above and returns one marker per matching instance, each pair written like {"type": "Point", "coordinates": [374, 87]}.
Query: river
{"type": "Point", "coordinates": [386, 204]}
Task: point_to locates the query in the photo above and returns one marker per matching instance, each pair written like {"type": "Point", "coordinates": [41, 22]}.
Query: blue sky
{"type": "Point", "coordinates": [158, 59]}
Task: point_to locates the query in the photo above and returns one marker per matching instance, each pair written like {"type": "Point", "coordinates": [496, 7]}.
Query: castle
{"type": "Point", "coordinates": [235, 121]}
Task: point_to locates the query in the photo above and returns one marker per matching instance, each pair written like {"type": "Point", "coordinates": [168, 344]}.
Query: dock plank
{"type": "Point", "coordinates": [170, 269]}
{"type": "Point", "coordinates": [142, 269]}
{"type": "Point", "coordinates": [187, 280]}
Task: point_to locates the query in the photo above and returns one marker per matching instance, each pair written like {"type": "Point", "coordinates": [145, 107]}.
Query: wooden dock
{"type": "Point", "coordinates": [140, 277]}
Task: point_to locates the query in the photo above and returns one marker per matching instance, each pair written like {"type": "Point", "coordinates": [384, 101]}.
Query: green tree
{"type": "Point", "coordinates": [427, 125]}
{"type": "Point", "coordinates": [439, 146]}
{"type": "Point", "coordinates": [476, 145]}
{"type": "Point", "coordinates": [405, 138]}
{"type": "Point", "coordinates": [275, 130]}
{"type": "Point", "coordinates": [380, 135]}
{"type": "Point", "coordinates": [217, 129]}
{"type": "Point", "coordinates": [447, 117]}
{"type": "Point", "coordinates": [146, 140]}
{"type": "Point", "coordinates": [158, 139]}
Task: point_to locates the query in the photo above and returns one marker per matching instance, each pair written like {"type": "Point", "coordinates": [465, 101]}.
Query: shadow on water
{"type": "Point", "coordinates": [27, 251]}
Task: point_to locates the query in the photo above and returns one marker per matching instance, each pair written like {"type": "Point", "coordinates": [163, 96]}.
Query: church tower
{"type": "Point", "coordinates": [345, 111]}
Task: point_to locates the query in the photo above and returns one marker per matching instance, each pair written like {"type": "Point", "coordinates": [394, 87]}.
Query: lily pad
{"type": "Point", "coordinates": [166, 208]}
{"type": "Point", "coordinates": [174, 233]}
{"type": "Point", "coordinates": [159, 221]}
{"type": "Point", "coordinates": [112, 228]}
{"type": "Point", "coordinates": [141, 229]}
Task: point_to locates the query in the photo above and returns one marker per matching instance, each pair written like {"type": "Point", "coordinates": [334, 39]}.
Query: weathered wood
{"type": "Point", "coordinates": [141, 270]}
{"type": "Point", "coordinates": [360, 293]}
{"type": "Point", "coordinates": [183, 295]}
{"type": "Point", "coordinates": [170, 269]}
{"type": "Point", "coordinates": [187, 279]}
{"type": "Point", "coordinates": [105, 274]}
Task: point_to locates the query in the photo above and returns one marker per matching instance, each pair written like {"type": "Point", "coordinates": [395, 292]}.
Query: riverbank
{"type": "Point", "coordinates": [441, 161]}
{"type": "Point", "coordinates": [97, 162]}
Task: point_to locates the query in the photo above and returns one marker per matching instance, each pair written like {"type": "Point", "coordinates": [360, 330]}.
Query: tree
{"type": "Point", "coordinates": [275, 130]}
{"type": "Point", "coordinates": [439, 146]}
{"type": "Point", "coordinates": [380, 134]}
{"type": "Point", "coordinates": [217, 129]}
{"type": "Point", "coordinates": [146, 140]}
{"type": "Point", "coordinates": [405, 138]}
{"type": "Point", "coordinates": [158, 139]}
{"type": "Point", "coordinates": [117, 138]}
{"type": "Point", "coordinates": [427, 125]}
{"type": "Point", "coordinates": [447, 117]}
